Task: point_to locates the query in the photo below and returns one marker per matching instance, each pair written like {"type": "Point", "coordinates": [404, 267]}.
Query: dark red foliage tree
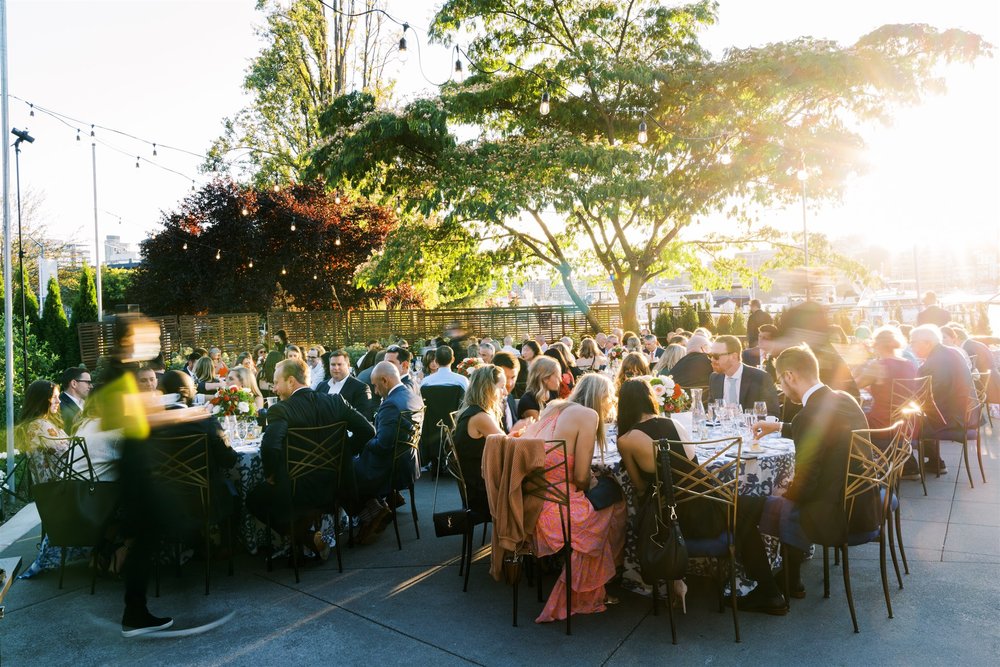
{"type": "Point", "coordinates": [229, 246]}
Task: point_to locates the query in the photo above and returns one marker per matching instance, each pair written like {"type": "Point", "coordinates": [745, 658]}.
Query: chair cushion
{"type": "Point", "coordinates": [854, 539]}
{"type": "Point", "coordinates": [716, 547]}
{"type": "Point", "coordinates": [893, 502]}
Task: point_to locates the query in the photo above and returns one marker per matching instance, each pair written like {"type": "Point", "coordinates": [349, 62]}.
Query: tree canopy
{"type": "Point", "coordinates": [246, 235]}
{"type": "Point", "coordinates": [576, 185]}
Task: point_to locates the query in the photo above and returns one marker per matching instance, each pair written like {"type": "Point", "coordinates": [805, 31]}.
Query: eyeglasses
{"type": "Point", "coordinates": [718, 355]}
{"type": "Point", "coordinates": [85, 381]}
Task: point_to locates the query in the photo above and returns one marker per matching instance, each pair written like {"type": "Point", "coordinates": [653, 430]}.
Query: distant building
{"type": "Point", "coordinates": [119, 254]}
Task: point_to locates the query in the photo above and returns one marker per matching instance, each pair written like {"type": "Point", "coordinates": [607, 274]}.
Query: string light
{"type": "Point", "coordinates": [32, 112]}
{"type": "Point", "coordinates": [185, 246]}
{"type": "Point", "coordinates": [459, 70]}
{"type": "Point", "coordinates": [283, 272]}
{"type": "Point", "coordinates": [91, 130]}
{"type": "Point", "coordinates": [315, 277]}
{"type": "Point", "coordinates": [293, 224]}
{"type": "Point", "coordinates": [192, 185]}
{"type": "Point", "coordinates": [337, 242]}
{"type": "Point", "coordinates": [802, 174]}
{"type": "Point", "coordinates": [245, 211]}
{"type": "Point", "coordinates": [78, 134]}
{"type": "Point", "coordinates": [277, 188]}
{"type": "Point", "coordinates": [336, 197]}
{"type": "Point", "coordinates": [643, 137]}
{"type": "Point", "coordinates": [154, 150]}
{"type": "Point", "coordinates": [218, 254]}
{"type": "Point", "coordinates": [136, 161]}
{"type": "Point", "coordinates": [725, 158]}
{"type": "Point", "coordinates": [543, 108]}
{"type": "Point", "coordinates": [403, 55]}
{"type": "Point", "coordinates": [250, 265]}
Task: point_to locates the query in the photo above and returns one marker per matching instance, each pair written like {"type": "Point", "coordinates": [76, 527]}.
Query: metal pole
{"type": "Point", "coordinates": [805, 237]}
{"type": "Point", "coordinates": [20, 258]}
{"type": "Point", "coordinates": [97, 238]}
{"type": "Point", "coordinates": [8, 303]}
{"type": "Point", "coordinates": [916, 272]}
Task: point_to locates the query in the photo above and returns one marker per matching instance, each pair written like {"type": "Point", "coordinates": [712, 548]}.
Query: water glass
{"type": "Point", "coordinates": [760, 409]}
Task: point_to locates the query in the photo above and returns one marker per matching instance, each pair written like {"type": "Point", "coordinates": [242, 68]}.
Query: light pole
{"type": "Point", "coordinates": [22, 136]}
{"type": "Point", "coordinates": [97, 236]}
{"type": "Point", "coordinates": [803, 175]}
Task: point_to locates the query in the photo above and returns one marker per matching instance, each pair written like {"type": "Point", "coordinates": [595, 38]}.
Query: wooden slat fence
{"type": "Point", "coordinates": [232, 333]}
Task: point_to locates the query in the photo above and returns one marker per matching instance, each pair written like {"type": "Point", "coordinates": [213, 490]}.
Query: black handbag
{"type": "Point", "coordinates": [453, 522]}
{"type": "Point", "coordinates": [75, 512]}
{"type": "Point", "coordinates": [662, 553]}
{"type": "Point", "coordinates": [604, 494]}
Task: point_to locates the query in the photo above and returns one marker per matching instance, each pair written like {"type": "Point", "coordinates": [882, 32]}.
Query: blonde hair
{"type": "Point", "coordinates": [483, 392]}
{"type": "Point", "coordinates": [588, 348]}
{"type": "Point", "coordinates": [247, 380]}
{"type": "Point", "coordinates": [204, 369]}
{"type": "Point", "coordinates": [595, 391]}
{"type": "Point", "coordinates": [671, 355]}
{"type": "Point", "coordinates": [633, 365]}
{"type": "Point", "coordinates": [541, 368]}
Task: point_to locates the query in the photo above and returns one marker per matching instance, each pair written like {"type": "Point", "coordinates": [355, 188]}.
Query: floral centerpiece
{"type": "Point", "coordinates": [233, 402]}
{"type": "Point", "coordinates": [468, 365]}
{"type": "Point", "coordinates": [671, 396]}
{"type": "Point", "coordinates": [617, 353]}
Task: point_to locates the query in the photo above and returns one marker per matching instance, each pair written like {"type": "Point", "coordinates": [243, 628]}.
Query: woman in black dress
{"type": "Point", "coordinates": [480, 416]}
{"type": "Point", "coordinates": [639, 424]}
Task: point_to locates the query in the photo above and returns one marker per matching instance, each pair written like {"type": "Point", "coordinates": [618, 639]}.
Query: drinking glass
{"type": "Point", "coordinates": [760, 409]}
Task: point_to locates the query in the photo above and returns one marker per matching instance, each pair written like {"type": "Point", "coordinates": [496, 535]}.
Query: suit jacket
{"type": "Point", "coordinates": [822, 434]}
{"type": "Point", "coordinates": [982, 360]}
{"type": "Point", "coordinates": [509, 414]}
{"type": "Point", "coordinates": [304, 409]}
{"type": "Point", "coordinates": [755, 385]}
{"type": "Point", "coordinates": [755, 321]}
{"type": "Point", "coordinates": [357, 394]}
{"type": "Point", "coordinates": [934, 315]}
{"type": "Point", "coordinates": [373, 465]}
{"type": "Point", "coordinates": [951, 384]}
{"type": "Point", "coordinates": [693, 370]}
{"type": "Point", "coordinates": [70, 411]}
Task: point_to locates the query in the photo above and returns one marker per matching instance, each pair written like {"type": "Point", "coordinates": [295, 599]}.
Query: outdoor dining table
{"type": "Point", "coordinates": [248, 473]}
{"type": "Point", "coordinates": [762, 473]}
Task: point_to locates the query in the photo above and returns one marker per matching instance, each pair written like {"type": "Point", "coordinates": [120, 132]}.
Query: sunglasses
{"type": "Point", "coordinates": [718, 355]}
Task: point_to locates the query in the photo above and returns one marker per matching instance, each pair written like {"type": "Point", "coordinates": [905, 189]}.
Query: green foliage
{"type": "Point", "coordinates": [84, 310]}
{"type": "Point", "coordinates": [724, 326]}
{"type": "Point", "coordinates": [54, 327]}
{"type": "Point", "coordinates": [982, 321]}
{"type": "Point", "coordinates": [42, 363]}
{"type": "Point", "coordinates": [31, 307]}
{"type": "Point", "coordinates": [689, 317]}
{"type": "Point", "coordinates": [739, 323]}
{"type": "Point", "coordinates": [664, 323]}
{"type": "Point", "coordinates": [705, 317]}
{"type": "Point", "coordinates": [574, 183]}
{"type": "Point", "coordinates": [116, 286]}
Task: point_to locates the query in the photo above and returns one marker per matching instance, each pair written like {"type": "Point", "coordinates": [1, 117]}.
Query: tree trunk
{"type": "Point", "coordinates": [627, 302]}
{"type": "Point", "coordinates": [580, 303]}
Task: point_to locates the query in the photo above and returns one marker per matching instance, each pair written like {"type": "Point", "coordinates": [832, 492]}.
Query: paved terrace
{"type": "Point", "coordinates": [392, 607]}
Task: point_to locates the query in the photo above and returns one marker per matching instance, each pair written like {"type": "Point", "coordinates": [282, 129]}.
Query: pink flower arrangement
{"type": "Point", "coordinates": [468, 365]}
{"type": "Point", "coordinates": [671, 396]}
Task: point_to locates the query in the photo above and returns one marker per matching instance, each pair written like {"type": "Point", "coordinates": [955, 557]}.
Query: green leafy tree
{"type": "Point", "coordinates": [689, 317]}
{"type": "Point", "coordinates": [739, 323]}
{"type": "Point", "coordinates": [54, 327]}
{"type": "Point", "coordinates": [42, 363]}
{"type": "Point", "coordinates": [116, 286]}
{"type": "Point", "coordinates": [664, 323]}
{"type": "Point", "coordinates": [311, 55]}
{"type": "Point", "coordinates": [84, 310]}
{"type": "Point", "coordinates": [705, 317]}
{"type": "Point", "coordinates": [31, 307]}
{"type": "Point", "coordinates": [574, 184]}
{"type": "Point", "coordinates": [724, 326]}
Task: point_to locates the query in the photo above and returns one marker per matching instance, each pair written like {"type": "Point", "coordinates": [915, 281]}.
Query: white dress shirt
{"type": "Point", "coordinates": [445, 376]}
{"type": "Point", "coordinates": [335, 387]}
{"type": "Point", "coordinates": [731, 386]}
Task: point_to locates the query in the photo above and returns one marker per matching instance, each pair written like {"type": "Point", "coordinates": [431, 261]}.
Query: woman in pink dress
{"type": "Point", "coordinates": [598, 536]}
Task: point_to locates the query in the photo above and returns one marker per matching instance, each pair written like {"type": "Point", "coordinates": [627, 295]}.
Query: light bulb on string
{"type": "Point", "coordinates": [725, 158]}
{"type": "Point", "coordinates": [543, 108]}
{"type": "Point", "coordinates": [136, 161]}
{"type": "Point", "coordinates": [802, 174]}
{"type": "Point", "coordinates": [403, 54]}
{"type": "Point", "coordinates": [283, 272]}
{"type": "Point", "coordinates": [293, 225]}
{"type": "Point", "coordinates": [277, 187]}
{"type": "Point", "coordinates": [91, 130]}
{"type": "Point", "coordinates": [336, 197]}
{"type": "Point", "coordinates": [192, 185]}
{"type": "Point", "coordinates": [315, 277]}
{"type": "Point", "coordinates": [459, 70]}
{"type": "Point", "coordinates": [185, 246]}
{"type": "Point", "coordinates": [218, 254]}
{"type": "Point", "coordinates": [32, 112]}
{"type": "Point", "coordinates": [78, 134]}
{"type": "Point", "coordinates": [643, 136]}
{"type": "Point", "coordinates": [250, 265]}
{"type": "Point", "coordinates": [337, 241]}
{"type": "Point", "coordinates": [154, 150]}
{"type": "Point", "coordinates": [245, 211]}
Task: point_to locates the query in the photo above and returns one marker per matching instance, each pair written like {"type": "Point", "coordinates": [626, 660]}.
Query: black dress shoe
{"type": "Point", "coordinates": [137, 622]}
{"type": "Point", "coordinates": [757, 601]}
{"type": "Point", "coordinates": [798, 588]}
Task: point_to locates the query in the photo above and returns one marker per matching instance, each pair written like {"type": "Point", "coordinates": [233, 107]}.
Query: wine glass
{"type": "Point", "coordinates": [760, 409]}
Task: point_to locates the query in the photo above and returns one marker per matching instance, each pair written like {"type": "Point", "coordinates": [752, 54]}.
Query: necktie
{"type": "Point", "coordinates": [731, 396]}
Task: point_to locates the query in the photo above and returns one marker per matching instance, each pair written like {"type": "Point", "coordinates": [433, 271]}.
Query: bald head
{"type": "Point", "coordinates": [385, 376]}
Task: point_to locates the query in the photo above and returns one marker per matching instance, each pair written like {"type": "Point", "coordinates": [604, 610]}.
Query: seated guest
{"type": "Point", "coordinates": [632, 342]}
{"type": "Point", "coordinates": [444, 357]}
{"type": "Point", "coordinates": [293, 352]}
{"type": "Point", "coordinates": [357, 394]}
{"type": "Point", "coordinates": [736, 383]}
{"type": "Point", "coordinates": [558, 352]}
{"type": "Point", "coordinates": [218, 365]}
{"type": "Point", "coordinates": [671, 355]}
{"type": "Point", "coordinates": [241, 378]}
{"type": "Point", "coordinates": [317, 370]}
{"type": "Point", "coordinates": [77, 384]}
{"type": "Point", "coordinates": [480, 415]}
{"type": "Point", "coordinates": [375, 462]}
{"type": "Point", "coordinates": [104, 447]}
{"type": "Point", "coordinates": [812, 509]}
{"type": "Point", "coordinates": [430, 364]}
{"type": "Point", "coordinates": [544, 379]}
{"type": "Point", "coordinates": [651, 346]}
{"type": "Point", "coordinates": [982, 361]}
{"type": "Point", "coordinates": [951, 385]}
{"type": "Point", "coordinates": [366, 375]}
{"type": "Point", "coordinates": [508, 365]}
{"type": "Point", "coordinates": [809, 323]}
{"type": "Point", "coordinates": [590, 358]}
{"type": "Point", "coordinates": [486, 352]}
{"type": "Point", "coordinates": [529, 352]}
{"type": "Point", "coordinates": [146, 379]}
{"type": "Point", "coordinates": [694, 368]}
{"type": "Point", "coordinates": [950, 338]}
{"type": "Point", "coordinates": [204, 376]}
{"type": "Point", "coordinates": [633, 365]}
{"type": "Point", "coordinates": [639, 425]}
{"type": "Point", "coordinates": [598, 536]}
{"type": "Point", "coordinates": [880, 373]}
{"type": "Point", "coordinates": [400, 358]}
{"type": "Point", "coordinates": [508, 346]}
{"type": "Point", "coordinates": [300, 407]}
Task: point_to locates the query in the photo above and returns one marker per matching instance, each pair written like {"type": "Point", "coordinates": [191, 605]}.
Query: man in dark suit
{"type": "Point", "coordinates": [510, 366]}
{"type": "Point", "coordinates": [933, 313]}
{"type": "Point", "coordinates": [735, 382]}
{"type": "Point", "coordinates": [756, 319]}
{"type": "Point", "coordinates": [300, 407]}
{"type": "Point", "coordinates": [400, 357]}
{"type": "Point", "coordinates": [812, 509]}
{"type": "Point", "coordinates": [951, 385]}
{"type": "Point", "coordinates": [357, 394]}
{"type": "Point", "coordinates": [76, 385]}
{"type": "Point", "coordinates": [375, 462]}
{"type": "Point", "coordinates": [694, 368]}
{"type": "Point", "coordinates": [651, 346]}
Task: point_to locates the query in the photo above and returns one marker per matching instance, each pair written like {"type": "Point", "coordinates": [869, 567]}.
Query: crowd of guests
{"type": "Point", "coordinates": [555, 390]}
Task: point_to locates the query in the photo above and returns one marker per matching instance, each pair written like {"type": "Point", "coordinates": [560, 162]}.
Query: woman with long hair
{"type": "Point", "coordinates": [879, 374]}
{"type": "Point", "coordinates": [529, 352]}
{"type": "Point", "coordinates": [479, 416]}
{"type": "Point", "coordinates": [241, 378]}
{"type": "Point", "coordinates": [544, 378]}
{"type": "Point", "coordinates": [204, 376]}
{"type": "Point", "coordinates": [590, 358]}
{"type": "Point", "coordinates": [639, 425]}
{"type": "Point", "coordinates": [558, 352]}
{"type": "Point", "coordinates": [598, 536]}
{"type": "Point", "coordinates": [633, 365]}
{"type": "Point", "coordinates": [671, 355]}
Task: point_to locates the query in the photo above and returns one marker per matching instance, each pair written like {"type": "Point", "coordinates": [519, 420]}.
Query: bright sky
{"type": "Point", "coordinates": [169, 71]}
